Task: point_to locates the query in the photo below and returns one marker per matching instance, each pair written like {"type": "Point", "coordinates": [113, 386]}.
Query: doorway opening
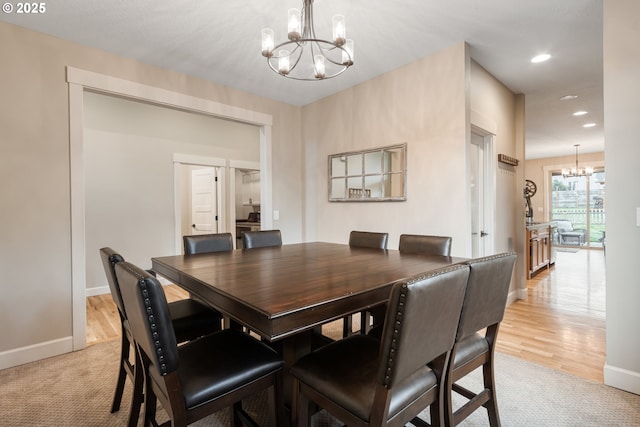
{"type": "Point", "coordinates": [482, 171]}
{"type": "Point", "coordinates": [81, 81]}
{"type": "Point", "coordinates": [578, 207]}
{"type": "Point", "coordinates": [204, 202]}
{"type": "Point", "coordinates": [247, 200]}
{"type": "Point", "coordinates": [200, 197]}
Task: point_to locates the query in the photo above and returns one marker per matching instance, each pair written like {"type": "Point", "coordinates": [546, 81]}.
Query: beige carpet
{"type": "Point", "coordinates": [76, 390]}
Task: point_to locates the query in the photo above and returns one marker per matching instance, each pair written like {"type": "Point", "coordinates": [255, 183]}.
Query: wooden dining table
{"type": "Point", "coordinates": [284, 293]}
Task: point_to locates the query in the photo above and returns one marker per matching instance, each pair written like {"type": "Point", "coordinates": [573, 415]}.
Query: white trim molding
{"type": "Point", "coordinates": [622, 379]}
{"type": "Point", "coordinates": [31, 353]}
{"type": "Point", "coordinates": [214, 162]}
{"type": "Point", "coordinates": [113, 85]}
{"type": "Point", "coordinates": [190, 159]}
{"type": "Point", "coordinates": [80, 80]}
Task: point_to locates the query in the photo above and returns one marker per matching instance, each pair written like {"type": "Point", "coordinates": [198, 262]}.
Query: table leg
{"type": "Point", "coordinates": [293, 348]}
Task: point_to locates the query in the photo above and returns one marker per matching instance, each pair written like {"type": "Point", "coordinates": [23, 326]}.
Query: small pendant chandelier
{"type": "Point", "coordinates": [304, 56]}
{"type": "Point", "coordinates": [577, 171]}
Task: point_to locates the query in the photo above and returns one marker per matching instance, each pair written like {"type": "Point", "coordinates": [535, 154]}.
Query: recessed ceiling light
{"type": "Point", "coordinates": [568, 97]}
{"type": "Point", "coordinates": [588, 125]}
{"type": "Point", "coordinates": [540, 58]}
{"type": "Point", "coordinates": [579, 113]}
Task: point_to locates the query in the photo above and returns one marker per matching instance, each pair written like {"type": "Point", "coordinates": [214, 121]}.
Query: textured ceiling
{"type": "Point", "coordinates": [220, 41]}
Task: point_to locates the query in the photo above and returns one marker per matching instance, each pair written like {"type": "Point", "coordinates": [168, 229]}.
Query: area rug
{"type": "Point", "coordinates": [76, 390]}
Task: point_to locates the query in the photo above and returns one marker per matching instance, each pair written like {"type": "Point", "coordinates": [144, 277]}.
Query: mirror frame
{"type": "Point", "coordinates": [360, 194]}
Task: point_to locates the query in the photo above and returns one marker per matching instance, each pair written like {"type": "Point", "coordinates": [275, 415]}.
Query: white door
{"type": "Point", "coordinates": [204, 206]}
{"type": "Point", "coordinates": [481, 195]}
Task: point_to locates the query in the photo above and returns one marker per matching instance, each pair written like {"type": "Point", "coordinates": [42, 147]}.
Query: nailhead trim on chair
{"type": "Point", "coordinates": [396, 333]}
{"type": "Point", "coordinates": [152, 323]}
{"type": "Point", "coordinates": [490, 257]}
{"type": "Point", "coordinates": [398, 323]}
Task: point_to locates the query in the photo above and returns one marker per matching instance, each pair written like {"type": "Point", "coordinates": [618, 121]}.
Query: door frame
{"type": "Point", "coordinates": [489, 189]}
{"type": "Point", "coordinates": [80, 81]}
{"type": "Point", "coordinates": [547, 202]}
{"type": "Point", "coordinates": [244, 165]}
{"type": "Point", "coordinates": [180, 160]}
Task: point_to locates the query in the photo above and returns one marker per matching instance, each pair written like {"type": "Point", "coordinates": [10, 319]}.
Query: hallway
{"type": "Point", "coordinates": [562, 323]}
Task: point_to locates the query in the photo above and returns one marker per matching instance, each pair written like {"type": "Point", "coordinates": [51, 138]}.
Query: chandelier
{"type": "Point", "coordinates": [304, 56]}
{"type": "Point", "coordinates": [577, 171]}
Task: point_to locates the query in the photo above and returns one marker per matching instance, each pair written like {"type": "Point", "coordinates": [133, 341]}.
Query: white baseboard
{"type": "Point", "coordinates": [522, 294]}
{"type": "Point", "coordinates": [98, 290]}
{"type": "Point", "coordinates": [622, 378]}
{"type": "Point", "coordinates": [513, 297]}
{"type": "Point", "coordinates": [31, 353]}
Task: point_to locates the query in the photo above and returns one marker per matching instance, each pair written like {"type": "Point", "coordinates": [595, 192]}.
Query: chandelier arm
{"type": "Point", "coordinates": [300, 43]}
{"type": "Point", "coordinates": [340, 63]}
{"type": "Point", "coordinates": [298, 48]}
{"type": "Point", "coordinates": [308, 39]}
{"type": "Point", "coordinates": [295, 63]}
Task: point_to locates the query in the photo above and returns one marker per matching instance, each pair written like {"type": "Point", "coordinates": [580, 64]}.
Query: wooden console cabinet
{"type": "Point", "coordinates": [539, 253]}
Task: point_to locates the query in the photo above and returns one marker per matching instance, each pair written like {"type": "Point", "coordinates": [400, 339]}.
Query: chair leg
{"type": "Point", "coordinates": [122, 374]}
{"type": "Point", "coordinates": [236, 419]}
{"type": "Point", "coordinates": [376, 313]}
{"type": "Point", "coordinates": [447, 392]}
{"type": "Point", "coordinates": [347, 326]}
{"type": "Point", "coordinates": [299, 407]}
{"type": "Point", "coordinates": [150, 403]}
{"type": "Point", "coordinates": [489, 384]}
{"type": "Point", "coordinates": [273, 405]}
{"type": "Point", "coordinates": [138, 394]}
{"type": "Point", "coordinates": [365, 321]}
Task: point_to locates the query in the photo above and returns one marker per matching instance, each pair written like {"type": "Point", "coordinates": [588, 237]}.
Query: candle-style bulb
{"type": "Point", "coordinates": [339, 30]}
{"type": "Point", "coordinates": [318, 66]}
{"type": "Point", "coordinates": [267, 42]}
{"type": "Point", "coordinates": [295, 24]}
{"type": "Point", "coordinates": [283, 62]}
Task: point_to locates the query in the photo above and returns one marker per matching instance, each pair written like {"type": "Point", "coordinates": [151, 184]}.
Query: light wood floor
{"type": "Point", "coordinates": [561, 325]}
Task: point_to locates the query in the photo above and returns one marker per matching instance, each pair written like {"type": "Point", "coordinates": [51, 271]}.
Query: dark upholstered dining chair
{"type": "Point", "coordinates": [206, 243]}
{"type": "Point", "coordinates": [364, 239]}
{"type": "Point", "coordinates": [202, 376]}
{"type": "Point", "coordinates": [411, 244]}
{"type": "Point", "coordinates": [190, 318]}
{"type": "Point", "coordinates": [368, 239]}
{"type": "Point", "coordinates": [261, 239]}
{"type": "Point", "coordinates": [483, 308]}
{"type": "Point", "coordinates": [395, 378]}
{"type": "Point", "coordinates": [425, 244]}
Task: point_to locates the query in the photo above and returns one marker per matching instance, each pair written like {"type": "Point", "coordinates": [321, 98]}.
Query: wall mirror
{"type": "Point", "coordinates": [378, 174]}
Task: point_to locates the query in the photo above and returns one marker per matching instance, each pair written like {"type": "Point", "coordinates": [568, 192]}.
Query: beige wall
{"type": "Point", "coordinates": [622, 154]}
{"type": "Point", "coordinates": [129, 175]}
{"type": "Point", "coordinates": [35, 311]}
{"type": "Point", "coordinates": [405, 105]}
{"type": "Point", "coordinates": [496, 109]}
{"type": "Point", "coordinates": [422, 104]}
{"type": "Point", "coordinates": [428, 105]}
